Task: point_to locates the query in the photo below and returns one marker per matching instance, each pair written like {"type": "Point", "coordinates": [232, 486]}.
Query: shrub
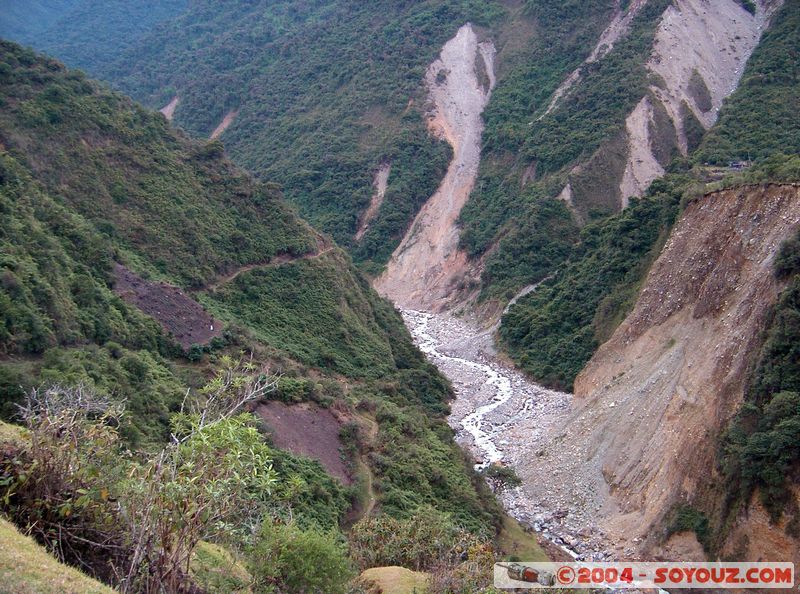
{"type": "Point", "coordinates": [287, 558]}
{"type": "Point", "coordinates": [687, 518]}
{"type": "Point", "coordinates": [134, 522]}
{"type": "Point", "coordinates": [501, 477]}
{"type": "Point", "coordinates": [426, 539]}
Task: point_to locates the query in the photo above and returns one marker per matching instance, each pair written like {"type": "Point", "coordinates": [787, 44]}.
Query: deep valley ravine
{"type": "Point", "coordinates": [498, 414]}
{"type": "Point", "coordinates": [501, 416]}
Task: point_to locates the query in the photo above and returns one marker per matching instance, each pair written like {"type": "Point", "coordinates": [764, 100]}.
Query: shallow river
{"type": "Point", "coordinates": [500, 416]}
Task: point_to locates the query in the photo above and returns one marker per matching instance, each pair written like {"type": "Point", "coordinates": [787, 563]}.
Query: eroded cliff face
{"type": "Point", "coordinates": [698, 56]}
{"type": "Point", "coordinates": [651, 403]}
{"type": "Point", "coordinates": [427, 266]}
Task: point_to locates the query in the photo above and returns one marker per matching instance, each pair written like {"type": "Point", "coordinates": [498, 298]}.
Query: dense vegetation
{"type": "Point", "coordinates": [27, 22]}
{"type": "Point", "coordinates": [553, 332]}
{"type": "Point", "coordinates": [760, 118]}
{"type": "Point", "coordinates": [529, 152]}
{"type": "Point", "coordinates": [84, 33]}
{"type": "Point", "coordinates": [87, 179]}
{"type": "Point", "coordinates": [760, 449]}
{"type": "Point", "coordinates": [325, 92]}
{"type": "Point", "coordinates": [179, 204]}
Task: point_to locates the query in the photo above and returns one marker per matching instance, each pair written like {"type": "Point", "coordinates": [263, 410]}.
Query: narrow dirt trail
{"type": "Point", "coordinates": [427, 264]}
{"type": "Point", "coordinates": [276, 261]}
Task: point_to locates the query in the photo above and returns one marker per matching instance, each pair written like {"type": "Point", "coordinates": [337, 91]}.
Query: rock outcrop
{"type": "Point", "coordinates": [697, 59]}
{"type": "Point", "coordinates": [699, 54]}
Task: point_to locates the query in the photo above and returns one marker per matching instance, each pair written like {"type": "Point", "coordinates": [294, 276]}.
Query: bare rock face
{"type": "Point", "coordinates": [169, 109]}
{"type": "Point", "coordinates": [651, 403]}
{"type": "Point", "coordinates": [427, 264]}
{"type": "Point", "coordinates": [380, 183]}
{"type": "Point", "coordinates": [698, 58]}
{"type": "Point", "coordinates": [755, 537]}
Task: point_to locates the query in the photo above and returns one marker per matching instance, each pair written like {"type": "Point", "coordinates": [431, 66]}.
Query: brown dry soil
{"type": "Point", "coordinates": [307, 430]}
{"type": "Point", "coordinates": [177, 312]}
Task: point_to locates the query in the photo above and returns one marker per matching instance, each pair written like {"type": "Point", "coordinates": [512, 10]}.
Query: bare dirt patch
{"type": "Point", "coordinates": [428, 265]}
{"type": "Point", "coordinates": [308, 430]}
{"type": "Point", "coordinates": [380, 184]}
{"type": "Point", "coordinates": [698, 45]}
{"type": "Point", "coordinates": [642, 167]}
{"type": "Point", "coordinates": [224, 124]}
{"type": "Point", "coordinates": [177, 312]}
{"type": "Point", "coordinates": [169, 109]}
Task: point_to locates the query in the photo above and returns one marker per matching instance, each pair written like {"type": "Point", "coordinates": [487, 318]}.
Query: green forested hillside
{"type": "Point", "coordinates": [760, 118]}
{"type": "Point", "coordinates": [88, 178]}
{"type": "Point", "coordinates": [83, 33]}
{"type": "Point", "coordinates": [325, 92]}
{"type": "Point", "coordinates": [513, 211]}
{"type": "Point", "coordinates": [26, 22]}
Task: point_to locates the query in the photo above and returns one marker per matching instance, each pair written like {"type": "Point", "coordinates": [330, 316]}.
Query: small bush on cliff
{"type": "Point", "coordinates": [688, 519]}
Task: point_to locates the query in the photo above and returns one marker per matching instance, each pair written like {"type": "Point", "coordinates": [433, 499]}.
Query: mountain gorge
{"type": "Point", "coordinates": [586, 213]}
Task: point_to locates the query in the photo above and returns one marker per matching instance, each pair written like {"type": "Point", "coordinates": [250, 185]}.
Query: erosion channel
{"type": "Point", "coordinates": [498, 415]}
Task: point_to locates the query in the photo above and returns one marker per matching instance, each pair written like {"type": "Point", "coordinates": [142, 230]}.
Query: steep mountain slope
{"type": "Point", "coordinates": [427, 266]}
{"type": "Point", "coordinates": [26, 23]}
{"type": "Point", "coordinates": [322, 118]}
{"type": "Point", "coordinates": [591, 103]}
{"type": "Point", "coordinates": [668, 407]}
{"type": "Point", "coordinates": [84, 33]}
{"type": "Point", "coordinates": [553, 332]}
{"type": "Point", "coordinates": [317, 96]}
{"type": "Point", "coordinates": [634, 454]}
{"type": "Point", "coordinates": [683, 425]}
{"type": "Point", "coordinates": [91, 181]}
{"type": "Point", "coordinates": [608, 130]}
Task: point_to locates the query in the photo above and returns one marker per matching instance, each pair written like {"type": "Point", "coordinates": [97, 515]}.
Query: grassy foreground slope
{"type": "Point", "coordinates": [27, 567]}
{"type": "Point", "coordinates": [88, 178]}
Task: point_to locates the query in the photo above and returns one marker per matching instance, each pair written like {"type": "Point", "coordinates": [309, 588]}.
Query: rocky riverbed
{"type": "Point", "coordinates": [502, 417]}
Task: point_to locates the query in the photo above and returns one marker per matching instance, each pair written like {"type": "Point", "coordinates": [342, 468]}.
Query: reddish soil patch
{"type": "Point", "coordinates": [307, 430]}
{"type": "Point", "coordinates": [177, 312]}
